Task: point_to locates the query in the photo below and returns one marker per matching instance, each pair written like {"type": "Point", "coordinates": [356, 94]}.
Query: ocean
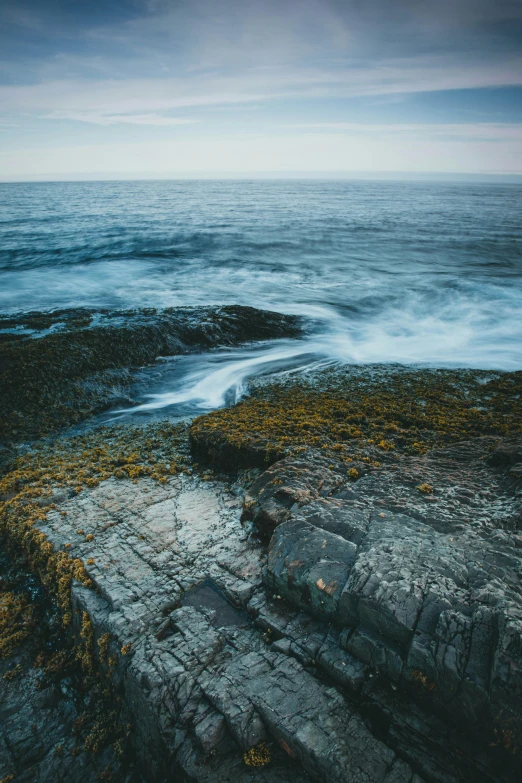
{"type": "Point", "coordinates": [415, 273]}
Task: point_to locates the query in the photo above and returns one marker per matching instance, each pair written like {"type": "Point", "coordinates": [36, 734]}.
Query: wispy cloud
{"type": "Point", "coordinates": [142, 65]}
{"type": "Point", "coordinates": [483, 131]}
{"type": "Point", "coordinates": [106, 99]}
{"type": "Point", "coordinates": [95, 118]}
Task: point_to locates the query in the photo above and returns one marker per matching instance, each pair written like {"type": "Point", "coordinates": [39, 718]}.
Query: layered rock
{"type": "Point", "coordinates": [422, 587]}
{"type": "Point", "coordinates": [357, 617]}
{"type": "Point", "coordinates": [178, 580]}
{"type": "Point", "coordinates": [377, 640]}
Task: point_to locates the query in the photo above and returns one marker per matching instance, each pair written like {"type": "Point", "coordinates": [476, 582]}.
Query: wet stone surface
{"type": "Point", "coordinates": [48, 711]}
{"type": "Point", "coordinates": [209, 600]}
{"type": "Point", "coordinates": [371, 632]}
{"type": "Point", "coordinates": [175, 572]}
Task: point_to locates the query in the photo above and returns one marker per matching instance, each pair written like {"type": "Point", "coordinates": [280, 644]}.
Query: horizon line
{"type": "Point", "coordinates": [446, 176]}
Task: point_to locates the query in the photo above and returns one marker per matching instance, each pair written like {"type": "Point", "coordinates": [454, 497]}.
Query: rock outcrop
{"type": "Point", "coordinates": [420, 581]}
{"type": "Point", "coordinates": [59, 368]}
{"type": "Point", "coordinates": [378, 639]}
{"type": "Point", "coordinates": [178, 580]}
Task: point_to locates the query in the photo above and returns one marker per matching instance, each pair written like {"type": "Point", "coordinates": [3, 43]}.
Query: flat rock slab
{"type": "Point", "coordinates": [174, 571]}
{"type": "Point", "coordinates": [145, 544]}
{"type": "Point", "coordinates": [378, 639]}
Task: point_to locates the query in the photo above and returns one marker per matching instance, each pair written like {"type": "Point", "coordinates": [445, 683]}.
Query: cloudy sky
{"type": "Point", "coordinates": [243, 87]}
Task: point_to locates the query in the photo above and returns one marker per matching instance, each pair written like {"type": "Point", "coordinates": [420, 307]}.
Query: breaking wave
{"type": "Point", "coordinates": [411, 273]}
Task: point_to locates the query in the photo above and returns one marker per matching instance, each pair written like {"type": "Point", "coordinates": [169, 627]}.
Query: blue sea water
{"type": "Point", "coordinates": [423, 273]}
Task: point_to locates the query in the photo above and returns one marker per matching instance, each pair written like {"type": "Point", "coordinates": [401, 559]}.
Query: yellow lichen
{"type": "Point", "coordinates": [426, 488]}
{"type": "Point", "coordinates": [418, 677]}
{"type": "Point", "coordinates": [103, 646]}
{"type": "Point", "coordinates": [258, 756]}
{"type": "Point", "coordinates": [16, 618]}
{"type": "Point", "coordinates": [13, 673]}
{"type": "Point", "coordinates": [84, 650]}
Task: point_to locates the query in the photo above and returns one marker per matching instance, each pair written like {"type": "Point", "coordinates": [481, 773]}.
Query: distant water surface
{"type": "Point", "coordinates": [409, 272]}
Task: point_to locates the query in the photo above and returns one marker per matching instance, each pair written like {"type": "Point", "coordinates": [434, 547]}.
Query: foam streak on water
{"type": "Point", "coordinates": [415, 273]}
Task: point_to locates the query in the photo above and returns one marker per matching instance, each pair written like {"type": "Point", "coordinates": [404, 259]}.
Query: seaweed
{"type": "Point", "coordinates": [67, 465]}
{"type": "Point", "coordinates": [350, 414]}
{"type": "Point", "coordinates": [69, 374]}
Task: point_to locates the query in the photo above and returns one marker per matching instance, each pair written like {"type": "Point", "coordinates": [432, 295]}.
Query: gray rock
{"type": "Point", "coordinates": [378, 639]}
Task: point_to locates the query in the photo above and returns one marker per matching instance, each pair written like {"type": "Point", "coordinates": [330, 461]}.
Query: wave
{"type": "Point", "coordinates": [222, 377]}
{"type": "Point", "coordinates": [382, 272]}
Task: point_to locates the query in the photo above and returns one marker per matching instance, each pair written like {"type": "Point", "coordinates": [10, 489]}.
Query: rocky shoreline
{"type": "Point", "coordinates": [331, 592]}
{"type": "Point", "coordinates": [60, 368]}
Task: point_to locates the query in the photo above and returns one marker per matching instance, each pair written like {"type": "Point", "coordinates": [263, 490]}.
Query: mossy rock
{"type": "Point", "coordinates": [84, 365]}
{"type": "Point", "coordinates": [373, 414]}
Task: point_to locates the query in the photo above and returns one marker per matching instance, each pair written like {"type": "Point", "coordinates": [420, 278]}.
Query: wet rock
{"type": "Point", "coordinates": [428, 607]}
{"type": "Point", "coordinates": [73, 363]}
{"type": "Point", "coordinates": [309, 566]}
{"type": "Point", "coordinates": [212, 447]}
{"type": "Point", "coordinates": [506, 454]}
{"type": "Point", "coordinates": [38, 743]}
{"type": "Point", "coordinates": [378, 638]}
{"type": "Point", "coordinates": [295, 482]}
{"type": "Point", "coordinates": [311, 721]}
{"type": "Point", "coordinates": [202, 684]}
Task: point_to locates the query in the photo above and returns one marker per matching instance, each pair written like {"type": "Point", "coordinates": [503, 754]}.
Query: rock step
{"type": "Point", "coordinates": [433, 607]}
{"type": "Point", "coordinates": [202, 686]}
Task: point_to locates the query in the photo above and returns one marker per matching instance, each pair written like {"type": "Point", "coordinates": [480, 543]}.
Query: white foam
{"type": "Point", "coordinates": [400, 337]}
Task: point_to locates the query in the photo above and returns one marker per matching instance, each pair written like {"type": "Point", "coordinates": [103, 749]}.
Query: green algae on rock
{"type": "Point", "coordinates": [375, 412]}
{"type": "Point", "coordinates": [59, 368]}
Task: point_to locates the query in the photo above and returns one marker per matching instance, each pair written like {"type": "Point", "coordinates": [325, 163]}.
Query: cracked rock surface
{"type": "Point", "coordinates": [377, 640]}
{"type": "Point", "coordinates": [177, 579]}
{"type": "Point", "coordinates": [35, 733]}
{"type": "Point", "coordinates": [423, 589]}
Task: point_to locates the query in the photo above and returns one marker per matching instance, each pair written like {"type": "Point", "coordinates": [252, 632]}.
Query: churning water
{"type": "Point", "coordinates": [408, 272]}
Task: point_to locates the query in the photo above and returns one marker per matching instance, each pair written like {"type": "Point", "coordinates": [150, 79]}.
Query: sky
{"type": "Point", "coordinates": [166, 88]}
